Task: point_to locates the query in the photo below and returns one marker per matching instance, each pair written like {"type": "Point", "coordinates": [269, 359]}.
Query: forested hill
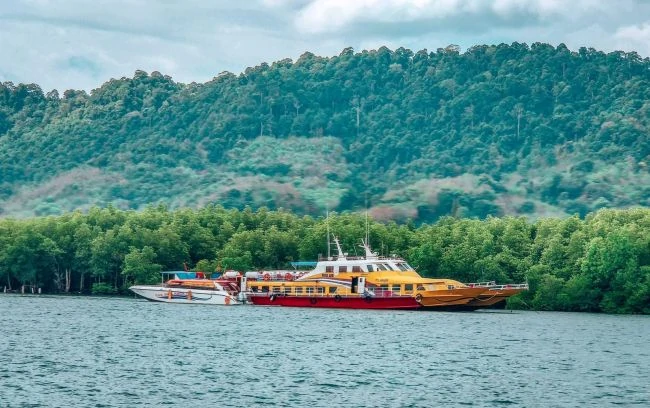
{"type": "Point", "coordinates": [507, 129]}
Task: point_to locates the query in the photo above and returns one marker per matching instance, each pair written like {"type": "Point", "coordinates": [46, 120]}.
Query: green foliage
{"type": "Point", "coordinates": [103, 289]}
{"type": "Point", "coordinates": [597, 264]}
{"type": "Point", "coordinates": [416, 135]}
{"type": "Point", "coordinates": [139, 266]}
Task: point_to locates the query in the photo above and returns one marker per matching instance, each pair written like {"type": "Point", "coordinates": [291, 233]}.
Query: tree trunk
{"type": "Point", "coordinates": [81, 282]}
{"type": "Point", "coordinates": [67, 279]}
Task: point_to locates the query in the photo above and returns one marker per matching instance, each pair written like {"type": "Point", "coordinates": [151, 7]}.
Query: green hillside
{"type": "Point", "coordinates": [497, 130]}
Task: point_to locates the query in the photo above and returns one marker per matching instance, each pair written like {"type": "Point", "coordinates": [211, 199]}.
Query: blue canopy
{"type": "Point", "coordinates": [303, 264]}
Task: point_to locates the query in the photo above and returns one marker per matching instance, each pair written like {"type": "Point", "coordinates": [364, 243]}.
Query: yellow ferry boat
{"type": "Point", "coordinates": [368, 282]}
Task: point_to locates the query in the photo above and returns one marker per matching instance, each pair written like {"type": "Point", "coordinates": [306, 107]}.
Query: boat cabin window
{"type": "Point", "coordinates": [420, 287]}
{"type": "Point", "coordinates": [408, 267]}
{"type": "Point", "coordinates": [388, 267]}
{"type": "Point", "coordinates": [396, 289]}
{"type": "Point", "coordinates": [401, 266]}
{"type": "Point", "coordinates": [408, 288]}
{"type": "Point", "coordinates": [381, 267]}
{"type": "Point", "coordinates": [254, 288]}
{"type": "Point", "coordinates": [332, 289]}
{"type": "Point", "coordinates": [265, 288]}
{"type": "Point", "coordinates": [287, 289]}
{"type": "Point", "coordinates": [321, 290]}
{"type": "Point", "coordinates": [329, 268]}
{"type": "Point", "coordinates": [310, 290]}
{"type": "Point", "coordinates": [369, 268]}
{"type": "Point", "coordinates": [450, 287]}
{"type": "Point", "coordinates": [343, 268]}
{"type": "Point", "coordinates": [383, 288]}
{"type": "Point", "coordinates": [356, 268]}
{"type": "Point", "coordinates": [276, 289]}
{"type": "Point", "coordinates": [298, 291]}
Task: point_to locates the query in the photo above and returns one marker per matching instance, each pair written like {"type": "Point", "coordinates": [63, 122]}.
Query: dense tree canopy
{"type": "Point", "coordinates": [417, 135]}
{"type": "Point", "coordinates": [600, 263]}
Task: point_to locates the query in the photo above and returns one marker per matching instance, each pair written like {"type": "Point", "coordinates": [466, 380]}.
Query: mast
{"type": "Point", "coordinates": [367, 224]}
{"type": "Point", "coordinates": [367, 229]}
{"type": "Point", "coordinates": [341, 255]}
{"type": "Point", "coordinates": [327, 223]}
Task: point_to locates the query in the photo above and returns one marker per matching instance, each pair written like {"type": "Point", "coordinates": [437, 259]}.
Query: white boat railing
{"type": "Point", "coordinates": [510, 286]}
{"type": "Point", "coordinates": [493, 285]}
{"type": "Point", "coordinates": [361, 258]}
{"type": "Point", "coordinates": [481, 284]}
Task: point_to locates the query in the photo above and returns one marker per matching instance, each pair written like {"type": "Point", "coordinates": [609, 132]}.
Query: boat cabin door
{"type": "Point", "coordinates": [362, 284]}
{"type": "Point", "coordinates": [358, 284]}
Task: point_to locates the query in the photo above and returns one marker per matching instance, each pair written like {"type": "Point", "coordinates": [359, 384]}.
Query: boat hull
{"type": "Point", "coordinates": [449, 298]}
{"type": "Point", "coordinates": [184, 295]}
{"type": "Point", "coordinates": [336, 302]}
{"type": "Point", "coordinates": [494, 297]}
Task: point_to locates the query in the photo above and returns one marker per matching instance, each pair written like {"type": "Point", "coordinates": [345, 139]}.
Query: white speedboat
{"type": "Point", "coordinates": [192, 287]}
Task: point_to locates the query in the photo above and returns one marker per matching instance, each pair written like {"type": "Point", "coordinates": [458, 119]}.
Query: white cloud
{"type": "Point", "coordinates": [634, 38]}
{"type": "Point", "coordinates": [327, 16]}
{"type": "Point", "coordinates": [81, 44]}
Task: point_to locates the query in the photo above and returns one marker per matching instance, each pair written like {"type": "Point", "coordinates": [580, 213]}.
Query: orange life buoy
{"type": "Point", "coordinates": [267, 277]}
{"type": "Point", "coordinates": [288, 276]}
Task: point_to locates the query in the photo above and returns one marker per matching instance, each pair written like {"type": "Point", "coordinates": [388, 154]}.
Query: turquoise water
{"type": "Point", "coordinates": [101, 352]}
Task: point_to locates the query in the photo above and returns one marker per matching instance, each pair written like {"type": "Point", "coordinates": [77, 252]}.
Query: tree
{"type": "Point", "coordinates": [139, 266]}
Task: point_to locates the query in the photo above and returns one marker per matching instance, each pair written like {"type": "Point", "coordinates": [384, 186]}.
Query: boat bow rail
{"type": "Point", "coordinates": [493, 285]}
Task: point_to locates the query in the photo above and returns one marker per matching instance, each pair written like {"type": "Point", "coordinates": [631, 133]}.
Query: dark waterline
{"type": "Point", "coordinates": [93, 352]}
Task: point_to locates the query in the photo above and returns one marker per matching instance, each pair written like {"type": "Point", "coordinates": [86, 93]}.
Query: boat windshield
{"type": "Point", "coordinates": [403, 266]}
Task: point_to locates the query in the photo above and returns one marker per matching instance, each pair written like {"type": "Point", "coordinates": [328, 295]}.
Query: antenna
{"type": "Point", "coordinates": [327, 223]}
{"type": "Point", "coordinates": [341, 254]}
{"type": "Point", "coordinates": [367, 227]}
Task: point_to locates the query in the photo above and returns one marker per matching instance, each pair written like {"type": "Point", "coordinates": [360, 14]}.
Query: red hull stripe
{"type": "Point", "coordinates": [405, 302]}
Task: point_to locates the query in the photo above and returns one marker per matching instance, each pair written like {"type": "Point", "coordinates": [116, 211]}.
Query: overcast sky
{"type": "Point", "coordinates": [80, 44]}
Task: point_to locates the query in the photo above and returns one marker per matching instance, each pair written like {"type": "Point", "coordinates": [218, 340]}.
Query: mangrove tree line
{"type": "Point", "coordinates": [600, 263]}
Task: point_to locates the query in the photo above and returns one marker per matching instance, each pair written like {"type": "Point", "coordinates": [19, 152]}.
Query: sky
{"type": "Point", "coordinates": [80, 44]}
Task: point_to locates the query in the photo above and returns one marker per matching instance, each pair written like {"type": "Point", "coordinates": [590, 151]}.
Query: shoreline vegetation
{"type": "Point", "coordinates": [597, 264]}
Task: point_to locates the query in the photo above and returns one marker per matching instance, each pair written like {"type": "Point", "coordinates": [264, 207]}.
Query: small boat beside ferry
{"type": "Point", "coordinates": [367, 282]}
{"type": "Point", "coordinates": [194, 288]}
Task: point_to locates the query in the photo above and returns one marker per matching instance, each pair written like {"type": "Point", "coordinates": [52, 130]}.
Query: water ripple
{"type": "Point", "coordinates": [78, 352]}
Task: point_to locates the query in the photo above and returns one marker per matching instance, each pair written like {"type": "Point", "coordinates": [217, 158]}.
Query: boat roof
{"type": "Point", "coordinates": [182, 274]}
{"type": "Point", "coordinates": [299, 264]}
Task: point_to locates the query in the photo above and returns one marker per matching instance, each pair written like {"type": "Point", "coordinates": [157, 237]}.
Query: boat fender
{"type": "Point", "coordinates": [418, 297]}
{"type": "Point", "coordinates": [337, 298]}
{"type": "Point", "coordinates": [313, 301]}
{"type": "Point", "coordinates": [272, 297]}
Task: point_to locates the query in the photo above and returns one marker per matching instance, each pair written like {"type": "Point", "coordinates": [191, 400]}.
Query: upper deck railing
{"type": "Point", "coordinates": [360, 258]}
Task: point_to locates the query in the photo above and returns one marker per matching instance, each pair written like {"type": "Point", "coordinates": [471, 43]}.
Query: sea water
{"type": "Point", "coordinates": [123, 352]}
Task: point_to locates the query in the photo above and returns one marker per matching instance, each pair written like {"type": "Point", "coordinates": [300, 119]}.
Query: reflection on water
{"type": "Point", "coordinates": [79, 351]}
